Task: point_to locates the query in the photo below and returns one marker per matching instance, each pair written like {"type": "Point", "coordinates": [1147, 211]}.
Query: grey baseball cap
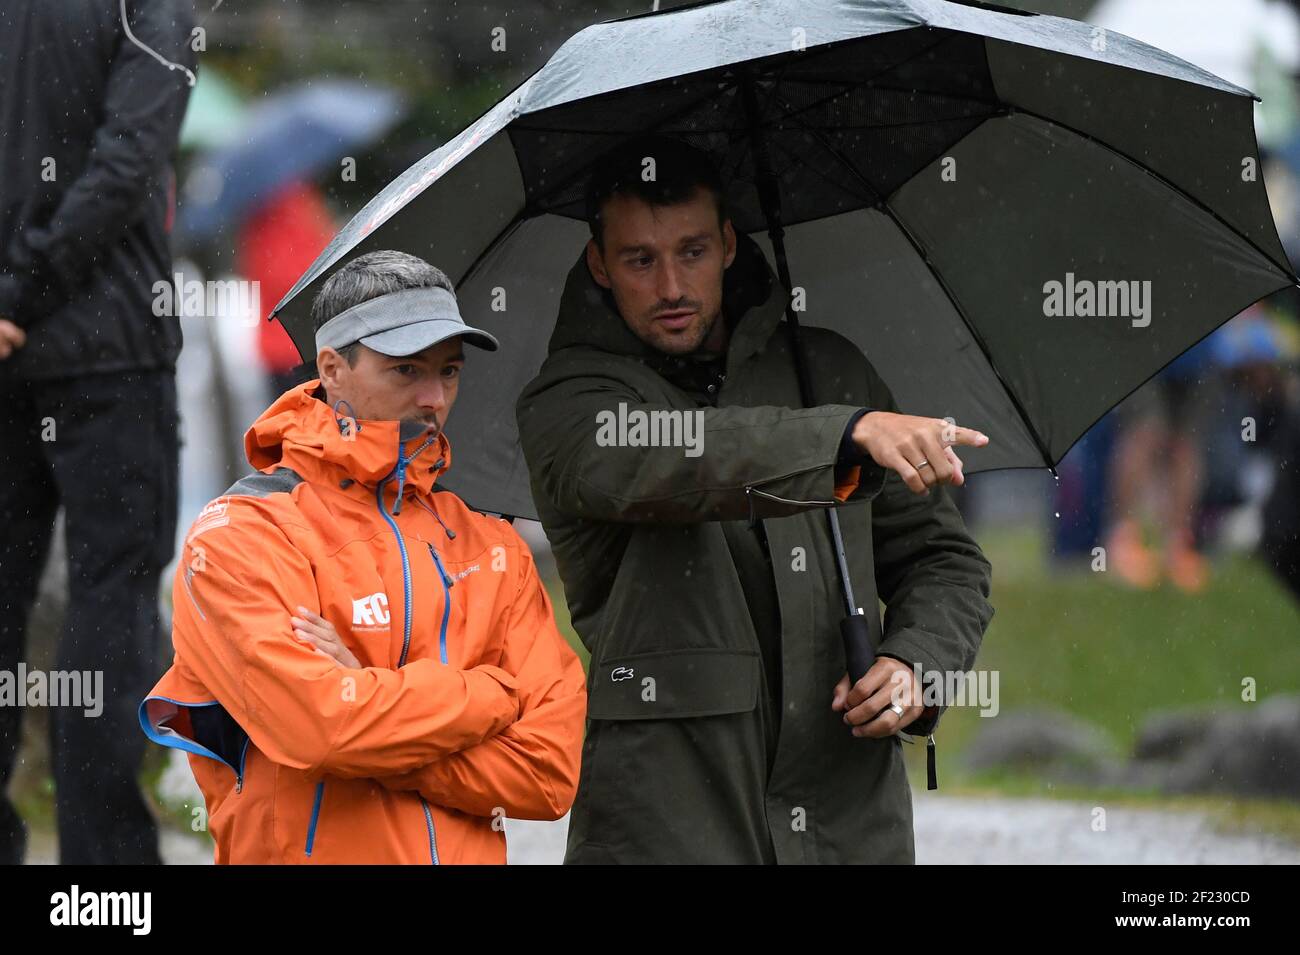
{"type": "Point", "coordinates": [402, 323]}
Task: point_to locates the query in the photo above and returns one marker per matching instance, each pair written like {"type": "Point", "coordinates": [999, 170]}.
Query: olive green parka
{"type": "Point", "coordinates": [691, 755]}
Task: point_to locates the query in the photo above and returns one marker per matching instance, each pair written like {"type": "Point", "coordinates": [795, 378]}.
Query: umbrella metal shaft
{"type": "Point", "coordinates": [770, 199]}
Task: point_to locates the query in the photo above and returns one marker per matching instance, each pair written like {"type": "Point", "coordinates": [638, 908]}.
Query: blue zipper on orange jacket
{"type": "Point", "coordinates": [400, 471]}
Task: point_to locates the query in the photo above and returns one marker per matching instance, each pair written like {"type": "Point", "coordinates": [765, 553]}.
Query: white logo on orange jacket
{"type": "Point", "coordinates": [371, 610]}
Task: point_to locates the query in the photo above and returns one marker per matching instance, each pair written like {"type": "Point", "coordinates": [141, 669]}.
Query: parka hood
{"type": "Point", "coordinates": [302, 432]}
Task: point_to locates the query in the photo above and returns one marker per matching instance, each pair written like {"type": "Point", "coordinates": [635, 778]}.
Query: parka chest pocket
{"type": "Point", "coordinates": [674, 684]}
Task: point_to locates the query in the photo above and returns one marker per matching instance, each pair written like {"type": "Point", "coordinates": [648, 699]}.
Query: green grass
{"type": "Point", "coordinates": [1075, 640]}
{"type": "Point", "coordinates": [1078, 641]}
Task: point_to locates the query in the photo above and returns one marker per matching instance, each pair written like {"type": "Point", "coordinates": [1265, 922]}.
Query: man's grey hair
{"type": "Point", "coordinates": [369, 276]}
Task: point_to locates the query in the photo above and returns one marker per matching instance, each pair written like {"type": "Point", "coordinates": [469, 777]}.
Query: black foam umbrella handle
{"type": "Point", "coordinates": [859, 654]}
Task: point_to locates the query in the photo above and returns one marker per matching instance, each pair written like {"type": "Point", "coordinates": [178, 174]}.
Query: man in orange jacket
{"type": "Point", "coordinates": [366, 670]}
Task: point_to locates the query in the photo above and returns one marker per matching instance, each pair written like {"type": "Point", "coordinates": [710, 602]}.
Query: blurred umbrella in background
{"type": "Point", "coordinates": [215, 114]}
{"type": "Point", "coordinates": [292, 135]}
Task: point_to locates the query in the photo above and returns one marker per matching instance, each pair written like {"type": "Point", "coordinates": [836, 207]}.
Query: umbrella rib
{"type": "Point", "coordinates": [991, 105]}
{"type": "Point", "coordinates": [731, 129]}
{"type": "Point", "coordinates": [871, 199]}
{"type": "Point", "coordinates": [586, 168]}
{"type": "Point", "coordinates": [509, 227]}
{"type": "Point", "coordinates": [1164, 180]}
{"type": "Point", "coordinates": [850, 87]}
{"type": "Point", "coordinates": [777, 78]}
{"type": "Point", "coordinates": [818, 134]}
{"type": "Point", "coordinates": [883, 204]}
{"type": "Point", "coordinates": [916, 122]}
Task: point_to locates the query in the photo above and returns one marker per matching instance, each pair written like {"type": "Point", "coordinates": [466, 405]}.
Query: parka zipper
{"type": "Point", "coordinates": [201, 750]}
{"type": "Point", "coordinates": [406, 626]}
{"type": "Point", "coordinates": [786, 500]}
{"type": "Point", "coordinates": [442, 655]}
{"type": "Point", "coordinates": [446, 604]}
{"type": "Point", "coordinates": [315, 815]}
{"type": "Point", "coordinates": [239, 778]}
{"type": "Point", "coordinates": [406, 646]}
{"type": "Point", "coordinates": [752, 489]}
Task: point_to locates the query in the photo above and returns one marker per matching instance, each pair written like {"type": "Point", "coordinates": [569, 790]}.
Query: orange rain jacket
{"type": "Point", "coordinates": [469, 705]}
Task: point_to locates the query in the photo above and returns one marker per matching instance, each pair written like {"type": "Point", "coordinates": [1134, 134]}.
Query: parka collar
{"type": "Point", "coordinates": [300, 431]}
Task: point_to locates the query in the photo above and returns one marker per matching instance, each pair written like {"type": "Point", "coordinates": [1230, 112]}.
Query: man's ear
{"type": "Point", "coordinates": [329, 366]}
{"type": "Point", "coordinates": [728, 244]}
{"type": "Point", "coordinates": [596, 264]}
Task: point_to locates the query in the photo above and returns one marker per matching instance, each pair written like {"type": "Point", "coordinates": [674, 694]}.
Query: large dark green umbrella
{"type": "Point", "coordinates": [1018, 218]}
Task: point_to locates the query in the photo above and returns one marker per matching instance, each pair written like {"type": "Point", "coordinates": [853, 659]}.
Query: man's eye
{"type": "Point", "coordinates": [642, 261]}
{"type": "Point", "coordinates": [695, 253]}
{"type": "Point", "coordinates": [451, 371]}
{"type": "Point", "coordinates": [407, 370]}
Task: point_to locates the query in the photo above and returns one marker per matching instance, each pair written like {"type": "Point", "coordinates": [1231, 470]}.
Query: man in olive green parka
{"type": "Point", "coordinates": [682, 487]}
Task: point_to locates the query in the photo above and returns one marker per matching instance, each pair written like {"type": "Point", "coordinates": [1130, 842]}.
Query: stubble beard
{"type": "Point", "coordinates": [675, 344]}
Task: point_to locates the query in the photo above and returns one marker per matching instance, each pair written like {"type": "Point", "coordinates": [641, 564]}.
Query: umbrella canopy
{"type": "Point", "coordinates": [1253, 43]}
{"type": "Point", "coordinates": [1224, 38]}
{"type": "Point", "coordinates": [291, 135]}
{"type": "Point", "coordinates": [952, 180]}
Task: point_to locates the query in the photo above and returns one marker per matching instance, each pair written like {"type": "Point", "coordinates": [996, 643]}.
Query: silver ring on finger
{"type": "Point", "coordinates": [923, 464]}
{"type": "Point", "coordinates": [898, 710]}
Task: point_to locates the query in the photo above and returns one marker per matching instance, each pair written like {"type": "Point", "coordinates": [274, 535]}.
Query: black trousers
{"type": "Point", "coordinates": [103, 447]}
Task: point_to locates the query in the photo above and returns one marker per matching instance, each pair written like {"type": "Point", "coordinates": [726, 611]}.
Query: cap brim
{"type": "Point", "coordinates": [417, 336]}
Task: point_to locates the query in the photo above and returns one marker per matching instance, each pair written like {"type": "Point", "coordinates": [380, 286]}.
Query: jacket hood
{"type": "Point", "coordinates": [300, 431]}
{"type": "Point", "coordinates": [589, 316]}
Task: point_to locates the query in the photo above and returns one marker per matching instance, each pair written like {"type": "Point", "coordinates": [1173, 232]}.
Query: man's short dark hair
{"type": "Point", "coordinates": [679, 170]}
{"type": "Point", "coordinates": [370, 276]}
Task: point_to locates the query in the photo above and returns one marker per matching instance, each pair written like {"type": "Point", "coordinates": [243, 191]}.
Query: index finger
{"type": "Point", "coordinates": [967, 436]}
